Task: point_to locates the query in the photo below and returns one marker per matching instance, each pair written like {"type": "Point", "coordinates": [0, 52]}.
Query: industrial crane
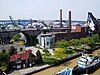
{"type": "Point", "coordinates": [95, 21]}
{"type": "Point", "coordinates": [46, 26]}
{"type": "Point", "coordinates": [13, 22]}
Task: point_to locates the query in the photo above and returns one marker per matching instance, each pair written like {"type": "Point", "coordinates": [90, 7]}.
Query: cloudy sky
{"type": "Point", "coordinates": [48, 9]}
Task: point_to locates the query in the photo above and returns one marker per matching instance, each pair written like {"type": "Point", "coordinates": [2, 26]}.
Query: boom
{"type": "Point", "coordinates": [95, 21]}
{"type": "Point", "coordinates": [13, 22]}
{"type": "Point", "coordinates": [44, 23]}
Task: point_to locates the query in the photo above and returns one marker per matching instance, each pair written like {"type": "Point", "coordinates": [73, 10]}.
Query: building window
{"type": "Point", "coordinates": [50, 42]}
{"type": "Point", "coordinates": [47, 43]}
{"type": "Point", "coordinates": [18, 66]}
{"type": "Point", "coordinates": [24, 65]}
{"type": "Point", "coordinates": [14, 66]}
{"type": "Point", "coordinates": [18, 61]}
{"type": "Point", "coordinates": [26, 61]}
{"type": "Point", "coordinates": [44, 42]}
{"type": "Point", "coordinates": [30, 64]}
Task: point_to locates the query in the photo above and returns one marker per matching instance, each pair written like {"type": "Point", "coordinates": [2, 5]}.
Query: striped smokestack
{"type": "Point", "coordinates": [69, 20]}
{"type": "Point", "coordinates": [61, 18]}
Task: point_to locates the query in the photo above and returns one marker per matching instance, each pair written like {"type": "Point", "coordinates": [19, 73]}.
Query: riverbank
{"type": "Point", "coordinates": [71, 64]}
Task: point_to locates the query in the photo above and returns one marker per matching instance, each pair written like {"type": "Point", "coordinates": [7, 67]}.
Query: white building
{"type": "Point", "coordinates": [46, 40]}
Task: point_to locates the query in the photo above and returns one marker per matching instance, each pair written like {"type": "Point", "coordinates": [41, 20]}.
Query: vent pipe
{"type": "Point", "coordinates": [69, 20]}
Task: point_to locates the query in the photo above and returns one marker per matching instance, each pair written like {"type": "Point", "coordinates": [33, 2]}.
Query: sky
{"type": "Point", "coordinates": [48, 9]}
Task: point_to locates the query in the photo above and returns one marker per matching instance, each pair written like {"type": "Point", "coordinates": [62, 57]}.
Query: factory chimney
{"type": "Point", "coordinates": [69, 20]}
{"type": "Point", "coordinates": [61, 18]}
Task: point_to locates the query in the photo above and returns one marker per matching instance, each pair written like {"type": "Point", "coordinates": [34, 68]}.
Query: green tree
{"type": "Point", "coordinates": [82, 41]}
{"type": "Point", "coordinates": [95, 38]}
{"type": "Point", "coordinates": [4, 61]}
{"type": "Point", "coordinates": [12, 50]}
{"type": "Point", "coordinates": [32, 57]}
{"type": "Point", "coordinates": [39, 56]}
{"type": "Point", "coordinates": [89, 41]}
{"type": "Point", "coordinates": [16, 37]}
{"type": "Point", "coordinates": [74, 42]}
{"type": "Point", "coordinates": [46, 57]}
{"type": "Point", "coordinates": [62, 44]}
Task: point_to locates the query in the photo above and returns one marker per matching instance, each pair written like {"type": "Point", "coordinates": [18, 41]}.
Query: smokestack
{"type": "Point", "coordinates": [61, 18]}
{"type": "Point", "coordinates": [69, 20]}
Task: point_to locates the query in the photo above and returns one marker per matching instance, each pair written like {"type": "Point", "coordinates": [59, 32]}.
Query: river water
{"type": "Point", "coordinates": [70, 64]}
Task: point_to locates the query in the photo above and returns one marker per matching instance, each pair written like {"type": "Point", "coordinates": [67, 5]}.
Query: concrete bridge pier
{"type": "Point", "coordinates": [31, 40]}
{"type": "Point", "coordinates": [5, 40]}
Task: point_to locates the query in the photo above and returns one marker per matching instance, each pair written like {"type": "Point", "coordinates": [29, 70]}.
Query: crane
{"type": "Point", "coordinates": [46, 26]}
{"type": "Point", "coordinates": [95, 21]}
{"type": "Point", "coordinates": [13, 22]}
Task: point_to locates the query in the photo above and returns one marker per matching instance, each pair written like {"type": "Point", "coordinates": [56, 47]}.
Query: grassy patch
{"type": "Point", "coordinates": [20, 42]}
{"type": "Point", "coordinates": [38, 47]}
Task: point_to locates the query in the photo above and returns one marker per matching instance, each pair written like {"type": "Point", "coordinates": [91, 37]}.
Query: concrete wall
{"type": "Point", "coordinates": [7, 47]}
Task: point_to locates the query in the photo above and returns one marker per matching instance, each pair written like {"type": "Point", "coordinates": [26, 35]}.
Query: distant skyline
{"type": "Point", "coordinates": [48, 9]}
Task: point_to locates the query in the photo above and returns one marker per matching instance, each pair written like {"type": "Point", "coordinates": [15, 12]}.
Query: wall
{"type": "Point", "coordinates": [69, 36]}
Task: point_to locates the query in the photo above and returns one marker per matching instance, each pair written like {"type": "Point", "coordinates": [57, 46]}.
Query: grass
{"type": "Point", "coordinates": [38, 47]}
{"type": "Point", "coordinates": [20, 42]}
{"type": "Point", "coordinates": [58, 56]}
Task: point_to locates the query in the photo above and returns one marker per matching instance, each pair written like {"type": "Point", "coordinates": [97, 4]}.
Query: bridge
{"type": "Point", "coordinates": [30, 34]}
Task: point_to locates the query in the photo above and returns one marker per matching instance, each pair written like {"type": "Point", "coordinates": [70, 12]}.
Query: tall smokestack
{"type": "Point", "coordinates": [69, 20]}
{"type": "Point", "coordinates": [61, 18]}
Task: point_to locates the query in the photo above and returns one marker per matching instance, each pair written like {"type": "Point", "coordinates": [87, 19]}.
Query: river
{"type": "Point", "coordinates": [70, 64]}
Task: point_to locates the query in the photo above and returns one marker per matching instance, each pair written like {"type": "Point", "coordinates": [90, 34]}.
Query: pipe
{"type": "Point", "coordinates": [61, 18]}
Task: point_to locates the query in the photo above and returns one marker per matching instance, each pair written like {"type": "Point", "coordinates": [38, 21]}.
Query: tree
{"type": "Point", "coordinates": [4, 61]}
{"type": "Point", "coordinates": [74, 42]}
{"type": "Point", "coordinates": [82, 41]}
{"type": "Point", "coordinates": [39, 56]}
{"type": "Point", "coordinates": [60, 53]}
{"type": "Point", "coordinates": [62, 44]}
{"type": "Point", "coordinates": [12, 50]}
{"type": "Point", "coordinates": [16, 37]}
{"type": "Point", "coordinates": [89, 41]}
{"type": "Point", "coordinates": [32, 57]}
{"type": "Point", "coordinates": [46, 57]}
{"type": "Point", "coordinates": [95, 38]}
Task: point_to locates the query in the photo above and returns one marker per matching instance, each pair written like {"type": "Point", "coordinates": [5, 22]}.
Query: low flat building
{"type": "Point", "coordinates": [46, 41]}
